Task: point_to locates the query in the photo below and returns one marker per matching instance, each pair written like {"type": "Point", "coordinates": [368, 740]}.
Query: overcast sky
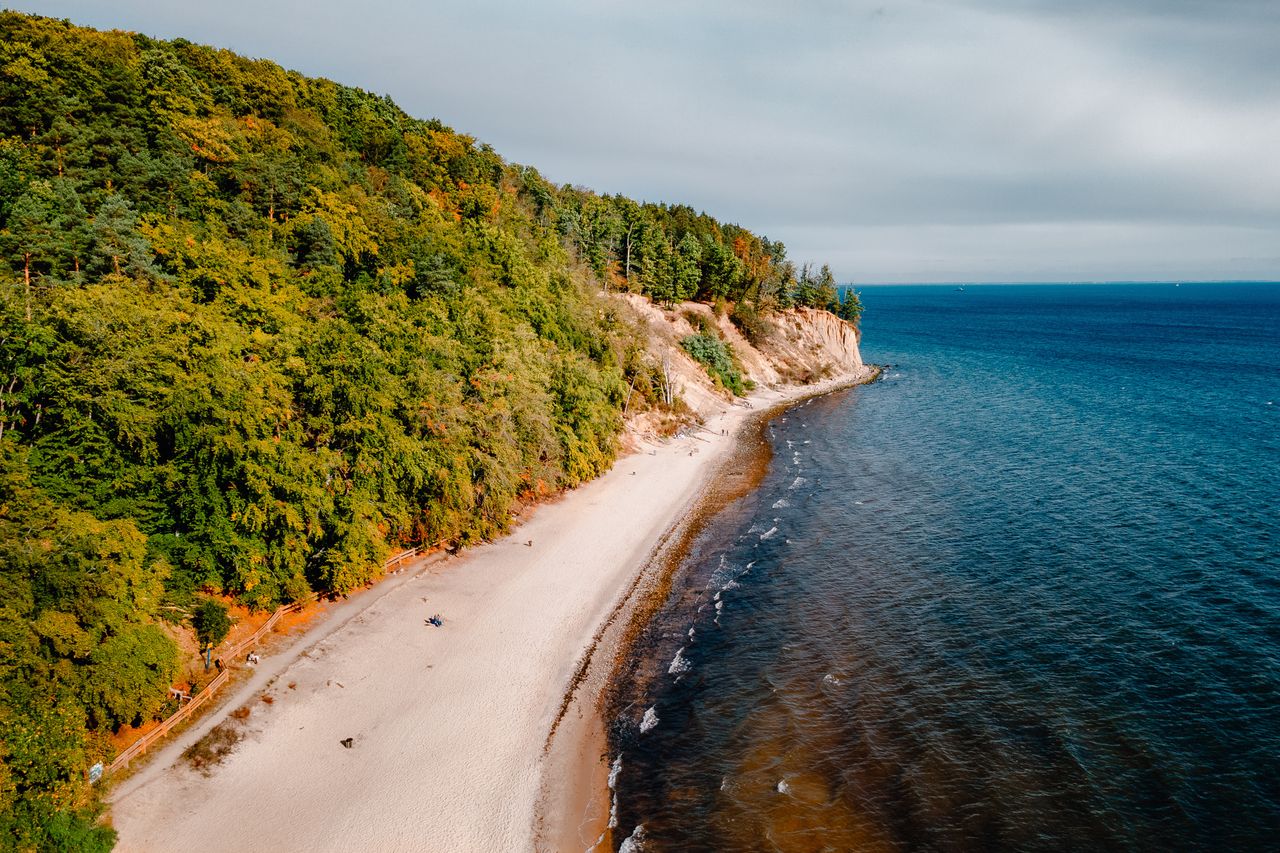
{"type": "Point", "coordinates": [928, 140]}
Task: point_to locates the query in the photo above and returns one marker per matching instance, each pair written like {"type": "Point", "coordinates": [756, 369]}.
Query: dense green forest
{"type": "Point", "coordinates": [258, 329]}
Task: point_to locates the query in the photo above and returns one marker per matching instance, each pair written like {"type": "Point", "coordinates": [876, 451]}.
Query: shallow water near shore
{"type": "Point", "coordinates": [1022, 594]}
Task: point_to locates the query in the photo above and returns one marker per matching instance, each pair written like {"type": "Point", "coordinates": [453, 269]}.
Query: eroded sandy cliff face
{"type": "Point", "coordinates": [801, 346]}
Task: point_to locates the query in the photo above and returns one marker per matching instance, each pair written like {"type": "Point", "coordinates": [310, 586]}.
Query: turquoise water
{"type": "Point", "coordinates": [1023, 594]}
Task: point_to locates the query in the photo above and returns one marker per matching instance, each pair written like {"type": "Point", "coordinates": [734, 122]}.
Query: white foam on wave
{"type": "Point", "coordinates": [723, 572]}
{"type": "Point", "coordinates": [781, 503]}
{"type": "Point", "coordinates": [614, 770]}
{"type": "Point", "coordinates": [679, 664]}
{"type": "Point", "coordinates": [650, 719]}
{"type": "Point", "coordinates": [831, 679]}
{"type": "Point", "coordinates": [783, 786]}
{"type": "Point", "coordinates": [768, 534]}
{"type": "Point", "coordinates": [634, 842]}
{"type": "Point", "coordinates": [798, 482]}
{"type": "Point", "coordinates": [690, 633]}
{"type": "Point", "coordinates": [731, 585]}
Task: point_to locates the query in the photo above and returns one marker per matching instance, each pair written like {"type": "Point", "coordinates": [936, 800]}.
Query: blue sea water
{"type": "Point", "coordinates": [1022, 594]}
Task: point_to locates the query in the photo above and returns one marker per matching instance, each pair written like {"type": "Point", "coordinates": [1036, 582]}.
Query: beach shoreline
{"type": "Point", "coordinates": [575, 804]}
{"type": "Point", "coordinates": [458, 733]}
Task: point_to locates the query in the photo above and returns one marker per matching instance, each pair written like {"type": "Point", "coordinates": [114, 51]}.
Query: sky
{"type": "Point", "coordinates": [928, 140]}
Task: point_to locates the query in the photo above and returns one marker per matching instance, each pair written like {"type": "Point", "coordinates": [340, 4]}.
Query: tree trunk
{"type": "Point", "coordinates": [627, 269]}
{"type": "Point", "coordinates": [627, 403]}
{"type": "Point", "coordinates": [26, 276]}
{"type": "Point", "coordinates": [668, 393]}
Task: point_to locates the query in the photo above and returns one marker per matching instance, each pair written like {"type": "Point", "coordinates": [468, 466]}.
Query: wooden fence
{"type": "Point", "coordinates": [233, 654]}
{"type": "Point", "coordinates": [140, 745]}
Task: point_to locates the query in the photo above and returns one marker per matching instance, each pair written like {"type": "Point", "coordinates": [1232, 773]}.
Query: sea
{"type": "Point", "coordinates": [1021, 594]}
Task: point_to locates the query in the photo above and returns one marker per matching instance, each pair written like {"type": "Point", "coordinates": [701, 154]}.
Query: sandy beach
{"type": "Point", "coordinates": [448, 725]}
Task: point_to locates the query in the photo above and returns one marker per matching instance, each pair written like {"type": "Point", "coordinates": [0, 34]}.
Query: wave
{"type": "Point", "coordinates": [614, 770]}
{"type": "Point", "coordinates": [679, 663]}
{"type": "Point", "coordinates": [650, 719]}
{"type": "Point", "coordinates": [634, 842]}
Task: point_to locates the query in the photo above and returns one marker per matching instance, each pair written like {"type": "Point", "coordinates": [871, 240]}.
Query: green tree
{"type": "Point", "coordinates": [825, 295]}
{"type": "Point", "coordinates": [31, 236]}
{"type": "Point", "coordinates": [211, 622]}
{"type": "Point", "coordinates": [127, 676]}
{"type": "Point", "coordinates": [850, 306]}
{"type": "Point", "coordinates": [721, 271]}
{"type": "Point", "coordinates": [118, 247]}
{"type": "Point", "coordinates": [686, 268]}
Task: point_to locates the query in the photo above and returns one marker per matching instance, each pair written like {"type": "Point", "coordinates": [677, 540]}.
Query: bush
{"type": "Point", "coordinates": [751, 321]}
{"type": "Point", "coordinates": [700, 322]}
{"type": "Point", "coordinates": [717, 357]}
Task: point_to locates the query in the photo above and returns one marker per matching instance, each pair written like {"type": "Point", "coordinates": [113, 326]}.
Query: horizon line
{"type": "Point", "coordinates": [1031, 283]}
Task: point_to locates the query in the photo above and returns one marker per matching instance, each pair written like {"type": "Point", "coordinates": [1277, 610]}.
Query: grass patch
{"type": "Point", "coordinates": [210, 750]}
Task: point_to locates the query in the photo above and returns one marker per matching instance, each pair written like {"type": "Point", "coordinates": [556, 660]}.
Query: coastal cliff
{"type": "Point", "coordinates": [794, 347]}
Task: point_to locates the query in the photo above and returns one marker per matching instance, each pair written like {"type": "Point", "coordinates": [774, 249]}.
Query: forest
{"type": "Point", "coordinates": [257, 330]}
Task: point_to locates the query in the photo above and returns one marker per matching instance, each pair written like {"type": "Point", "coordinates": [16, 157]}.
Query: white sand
{"type": "Point", "coordinates": [448, 723]}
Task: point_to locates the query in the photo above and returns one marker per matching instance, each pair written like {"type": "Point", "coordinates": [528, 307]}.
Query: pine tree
{"type": "Point", "coordinates": [118, 248]}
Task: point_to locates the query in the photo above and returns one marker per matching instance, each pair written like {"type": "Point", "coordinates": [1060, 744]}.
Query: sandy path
{"type": "Point", "coordinates": [448, 723]}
